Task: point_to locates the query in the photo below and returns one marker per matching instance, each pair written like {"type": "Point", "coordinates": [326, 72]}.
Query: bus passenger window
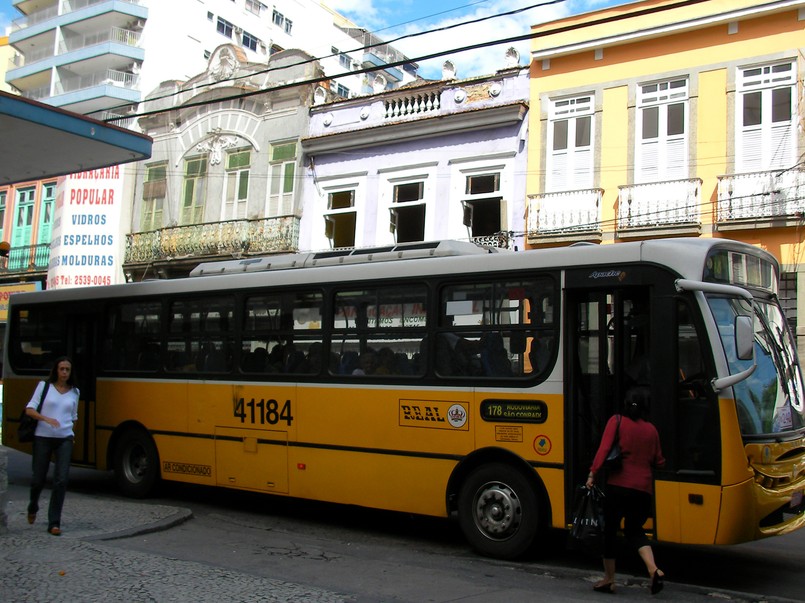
{"type": "Point", "coordinates": [132, 338]}
{"type": "Point", "coordinates": [498, 329]}
{"type": "Point", "coordinates": [378, 332]}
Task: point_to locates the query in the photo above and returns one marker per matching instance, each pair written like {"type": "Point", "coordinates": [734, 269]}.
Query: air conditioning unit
{"type": "Point", "coordinates": [238, 30]}
{"type": "Point", "coordinates": [139, 24]}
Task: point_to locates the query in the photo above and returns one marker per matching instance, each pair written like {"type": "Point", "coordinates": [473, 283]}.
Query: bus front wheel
{"type": "Point", "coordinates": [498, 511]}
{"type": "Point", "coordinates": [136, 464]}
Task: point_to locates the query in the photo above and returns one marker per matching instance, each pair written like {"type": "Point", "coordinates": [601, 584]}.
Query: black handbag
{"type": "Point", "coordinates": [27, 427]}
{"type": "Point", "coordinates": [614, 459]}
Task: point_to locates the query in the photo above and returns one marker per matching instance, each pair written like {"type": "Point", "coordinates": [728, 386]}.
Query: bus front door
{"type": "Point", "coordinates": [607, 351]}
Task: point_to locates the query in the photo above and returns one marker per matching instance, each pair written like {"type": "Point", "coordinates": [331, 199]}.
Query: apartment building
{"type": "Point", "coordinates": [659, 118]}
{"type": "Point", "coordinates": [100, 57]}
{"type": "Point", "coordinates": [103, 58]}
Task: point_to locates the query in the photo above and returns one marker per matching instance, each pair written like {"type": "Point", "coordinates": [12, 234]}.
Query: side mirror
{"type": "Point", "coordinates": [744, 337]}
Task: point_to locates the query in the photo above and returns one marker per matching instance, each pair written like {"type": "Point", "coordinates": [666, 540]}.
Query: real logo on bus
{"type": "Point", "coordinates": [264, 412]}
{"type": "Point", "coordinates": [433, 414]}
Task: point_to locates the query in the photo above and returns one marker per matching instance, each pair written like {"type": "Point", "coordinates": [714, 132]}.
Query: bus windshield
{"type": "Point", "coordinates": [770, 401]}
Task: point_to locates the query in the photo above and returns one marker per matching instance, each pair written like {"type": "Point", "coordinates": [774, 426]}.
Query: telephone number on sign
{"type": "Point", "coordinates": [92, 279]}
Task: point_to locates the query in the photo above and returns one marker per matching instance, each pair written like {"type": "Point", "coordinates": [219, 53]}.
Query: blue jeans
{"type": "Point", "coordinates": [61, 449]}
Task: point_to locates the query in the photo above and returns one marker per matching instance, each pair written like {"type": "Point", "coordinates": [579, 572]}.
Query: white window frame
{"type": "Point", "coordinates": [573, 167]}
{"type": "Point", "coordinates": [469, 200]}
{"type": "Point", "coordinates": [249, 41]}
{"type": "Point", "coordinates": [224, 27]}
{"type": "Point", "coordinates": [330, 215]}
{"type": "Point", "coordinates": [235, 203]}
{"type": "Point", "coordinates": [329, 185]}
{"type": "Point", "coordinates": [664, 156]}
{"type": "Point", "coordinates": [255, 7]}
{"type": "Point", "coordinates": [767, 145]}
{"type": "Point", "coordinates": [385, 231]}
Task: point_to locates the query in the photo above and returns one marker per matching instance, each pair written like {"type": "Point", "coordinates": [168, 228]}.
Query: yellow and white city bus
{"type": "Point", "coordinates": [440, 379]}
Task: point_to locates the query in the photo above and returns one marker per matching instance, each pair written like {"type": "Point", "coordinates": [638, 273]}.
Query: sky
{"type": "Point", "coordinates": [390, 19]}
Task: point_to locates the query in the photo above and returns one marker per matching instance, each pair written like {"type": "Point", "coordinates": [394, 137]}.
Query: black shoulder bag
{"type": "Point", "coordinates": [25, 432]}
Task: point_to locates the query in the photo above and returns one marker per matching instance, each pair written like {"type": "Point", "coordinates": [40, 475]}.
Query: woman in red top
{"type": "Point", "coordinates": [629, 489]}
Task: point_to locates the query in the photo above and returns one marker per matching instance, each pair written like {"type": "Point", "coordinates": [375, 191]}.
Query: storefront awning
{"type": "Point", "coordinates": [40, 141]}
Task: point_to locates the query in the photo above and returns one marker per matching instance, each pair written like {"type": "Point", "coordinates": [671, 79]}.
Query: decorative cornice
{"type": "Point", "coordinates": [437, 125]}
{"type": "Point", "coordinates": [664, 30]}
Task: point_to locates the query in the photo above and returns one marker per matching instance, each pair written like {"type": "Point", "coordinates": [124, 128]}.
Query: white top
{"type": "Point", "coordinates": [62, 407]}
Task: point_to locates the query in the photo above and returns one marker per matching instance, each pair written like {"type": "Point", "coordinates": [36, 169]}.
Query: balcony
{"type": "Point", "coordinates": [234, 237]}
{"type": "Point", "coordinates": [761, 199]}
{"type": "Point", "coordinates": [568, 214]}
{"type": "Point", "coordinates": [672, 205]}
{"type": "Point", "coordinates": [371, 59]}
{"type": "Point", "coordinates": [29, 258]}
{"type": "Point", "coordinates": [40, 16]}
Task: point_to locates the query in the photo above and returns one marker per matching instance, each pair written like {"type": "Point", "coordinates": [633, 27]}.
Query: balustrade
{"type": "Point", "coordinates": [658, 204]}
{"type": "Point", "coordinates": [566, 212]}
{"type": "Point", "coordinates": [413, 104]}
{"type": "Point", "coordinates": [761, 195]}
{"type": "Point", "coordinates": [269, 235]}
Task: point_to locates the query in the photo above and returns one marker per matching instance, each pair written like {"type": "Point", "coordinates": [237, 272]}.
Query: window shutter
{"type": "Point", "coordinates": [750, 158]}
{"type": "Point", "coordinates": [154, 189]}
{"type": "Point", "coordinates": [649, 161]}
{"type": "Point", "coordinates": [582, 169]}
{"type": "Point", "coordinates": [558, 176]}
{"type": "Point", "coordinates": [675, 161]}
{"type": "Point", "coordinates": [782, 155]}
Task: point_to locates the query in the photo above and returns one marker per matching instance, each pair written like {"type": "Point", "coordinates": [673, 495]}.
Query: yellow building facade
{"type": "Point", "coordinates": [662, 118]}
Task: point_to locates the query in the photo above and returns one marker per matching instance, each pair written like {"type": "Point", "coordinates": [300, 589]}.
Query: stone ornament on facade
{"type": "Point", "coordinates": [215, 144]}
{"type": "Point", "coordinates": [223, 64]}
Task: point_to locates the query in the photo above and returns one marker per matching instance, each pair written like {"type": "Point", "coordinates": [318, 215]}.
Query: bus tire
{"type": "Point", "coordinates": [136, 463]}
{"type": "Point", "coordinates": [498, 511]}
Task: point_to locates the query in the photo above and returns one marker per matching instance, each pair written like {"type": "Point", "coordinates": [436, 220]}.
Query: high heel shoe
{"type": "Point", "coordinates": [656, 582]}
{"type": "Point", "coordinates": [606, 587]}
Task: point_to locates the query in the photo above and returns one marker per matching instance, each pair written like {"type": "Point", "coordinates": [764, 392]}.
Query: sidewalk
{"type": "Point", "coordinates": [78, 566]}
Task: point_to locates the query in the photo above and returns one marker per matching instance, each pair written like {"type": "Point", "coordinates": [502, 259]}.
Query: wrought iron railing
{"type": "Point", "coordinates": [770, 194]}
{"type": "Point", "coordinates": [233, 237]}
{"type": "Point", "coordinates": [566, 212]}
{"type": "Point", "coordinates": [500, 240]}
{"type": "Point", "coordinates": [28, 258]}
{"type": "Point", "coordinates": [657, 204]}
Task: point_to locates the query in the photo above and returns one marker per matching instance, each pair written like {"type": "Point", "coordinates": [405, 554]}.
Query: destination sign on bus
{"type": "Point", "coordinates": [514, 411]}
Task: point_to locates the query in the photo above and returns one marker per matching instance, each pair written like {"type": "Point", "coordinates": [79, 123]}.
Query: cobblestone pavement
{"type": "Point", "coordinates": [79, 566]}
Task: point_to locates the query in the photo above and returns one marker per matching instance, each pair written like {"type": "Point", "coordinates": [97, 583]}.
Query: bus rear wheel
{"type": "Point", "coordinates": [498, 511]}
{"type": "Point", "coordinates": [136, 464]}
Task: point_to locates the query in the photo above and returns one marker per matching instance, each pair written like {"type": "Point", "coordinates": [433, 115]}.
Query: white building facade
{"type": "Point", "coordinates": [99, 57]}
{"type": "Point", "coordinates": [432, 161]}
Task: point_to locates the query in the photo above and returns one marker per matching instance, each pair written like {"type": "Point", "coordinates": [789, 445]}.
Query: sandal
{"type": "Point", "coordinates": [55, 531]}
{"type": "Point", "coordinates": [656, 582]}
{"type": "Point", "coordinates": [605, 587]}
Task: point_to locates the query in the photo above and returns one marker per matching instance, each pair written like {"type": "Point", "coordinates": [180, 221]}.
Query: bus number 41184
{"type": "Point", "coordinates": [264, 412]}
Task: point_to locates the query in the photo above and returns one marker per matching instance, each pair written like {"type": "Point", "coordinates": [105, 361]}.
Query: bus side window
{"type": "Point", "coordinates": [697, 429]}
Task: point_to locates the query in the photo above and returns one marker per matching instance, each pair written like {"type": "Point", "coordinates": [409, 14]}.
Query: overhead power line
{"type": "Point", "coordinates": [433, 55]}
